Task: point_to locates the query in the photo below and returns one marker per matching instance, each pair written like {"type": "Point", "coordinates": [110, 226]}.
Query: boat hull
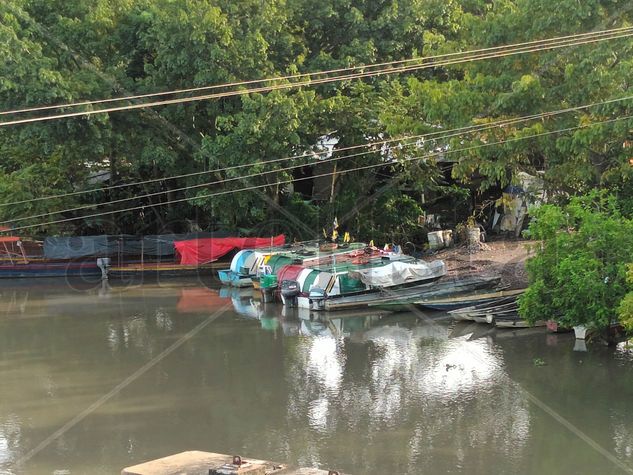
{"type": "Point", "coordinates": [517, 323]}
{"type": "Point", "coordinates": [467, 300]}
{"type": "Point", "coordinates": [159, 270]}
{"type": "Point", "coordinates": [53, 269]}
{"type": "Point", "coordinates": [403, 299]}
{"type": "Point", "coordinates": [228, 277]}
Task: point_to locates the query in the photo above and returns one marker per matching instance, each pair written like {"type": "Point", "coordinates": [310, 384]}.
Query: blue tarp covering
{"type": "Point", "coordinates": [112, 245]}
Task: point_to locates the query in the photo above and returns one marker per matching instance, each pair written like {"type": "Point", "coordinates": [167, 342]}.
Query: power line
{"type": "Point", "coordinates": [341, 172]}
{"type": "Point", "coordinates": [316, 73]}
{"type": "Point", "coordinates": [402, 141]}
{"type": "Point", "coordinates": [466, 129]}
{"type": "Point", "coordinates": [313, 82]}
{"type": "Point", "coordinates": [306, 83]}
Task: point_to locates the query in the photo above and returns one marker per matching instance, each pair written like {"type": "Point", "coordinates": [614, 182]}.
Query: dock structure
{"type": "Point", "coordinates": [207, 463]}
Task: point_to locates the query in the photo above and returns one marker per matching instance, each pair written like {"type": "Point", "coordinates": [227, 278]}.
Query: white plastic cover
{"type": "Point", "coordinates": [399, 273]}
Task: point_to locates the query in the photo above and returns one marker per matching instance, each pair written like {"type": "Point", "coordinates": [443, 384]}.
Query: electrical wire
{"type": "Point", "coordinates": [301, 75]}
{"type": "Point", "coordinates": [401, 142]}
{"type": "Point", "coordinates": [470, 128]}
{"type": "Point", "coordinates": [313, 82]}
{"type": "Point", "coordinates": [341, 172]}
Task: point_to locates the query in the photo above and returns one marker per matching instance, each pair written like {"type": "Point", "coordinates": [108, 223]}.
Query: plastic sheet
{"type": "Point", "coordinates": [202, 251]}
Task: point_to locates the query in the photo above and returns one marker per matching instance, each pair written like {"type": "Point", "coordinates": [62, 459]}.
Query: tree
{"type": "Point", "coordinates": [57, 51]}
{"type": "Point", "coordinates": [578, 274]}
{"type": "Point", "coordinates": [573, 161]}
{"type": "Point", "coordinates": [625, 310]}
{"type": "Point", "coordinates": [268, 128]}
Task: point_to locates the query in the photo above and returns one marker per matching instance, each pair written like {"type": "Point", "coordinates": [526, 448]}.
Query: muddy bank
{"type": "Point", "coordinates": [497, 257]}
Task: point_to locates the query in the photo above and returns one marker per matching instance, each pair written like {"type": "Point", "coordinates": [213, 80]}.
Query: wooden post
{"type": "Point", "coordinates": [23, 252]}
{"type": "Point", "coordinates": [6, 249]}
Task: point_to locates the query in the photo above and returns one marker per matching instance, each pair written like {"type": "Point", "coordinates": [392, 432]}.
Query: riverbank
{"type": "Point", "coordinates": [503, 257]}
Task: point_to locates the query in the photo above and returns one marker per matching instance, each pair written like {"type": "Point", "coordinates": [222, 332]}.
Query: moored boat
{"type": "Point", "coordinates": [402, 299]}
{"type": "Point", "coordinates": [228, 277]}
{"type": "Point", "coordinates": [500, 304]}
{"type": "Point", "coordinates": [51, 269]}
{"type": "Point", "coordinates": [18, 263]}
{"type": "Point", "coordinates": [321, 285]}
{"type": "Point", "coordinates": [463, 300]}
{"type": "Point", "coordinates": [515, 321]}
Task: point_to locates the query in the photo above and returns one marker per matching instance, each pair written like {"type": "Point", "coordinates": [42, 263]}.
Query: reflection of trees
{"type": "Point", "coordinates": [60, 350]}
{"type": "Point", "coordinates": [363, 394]}
{"type": "Point", "coordinates": [591, 390]}
{"type": "Point", "coordinates": [10, 440]}
{"type": "Point", "coordinates": [406, 395]}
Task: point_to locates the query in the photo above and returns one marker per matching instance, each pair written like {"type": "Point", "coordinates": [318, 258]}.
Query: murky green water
{"type": "Point", "coordinates": [364, 394]}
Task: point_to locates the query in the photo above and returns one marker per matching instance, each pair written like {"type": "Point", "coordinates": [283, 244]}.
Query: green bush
{"type": "Point", "coordinates": [625, 310]}
{"type": "Point", "coordinates": [578, 274]}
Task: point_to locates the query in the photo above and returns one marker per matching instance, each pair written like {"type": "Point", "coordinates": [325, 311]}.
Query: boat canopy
{"type": "Point", "coordinates": [81, 246]}
{"type": "Point", "coordinates": [333, 284]}
{"type": "Point", "coordinates": [290, 272]}
{"type": "Point", "coordinates": [399, 273]}
{"type": "Point", "coordinates": [201, 251]}
{"type": "Point", "coordinates": [238, 259]}
{"type": "Point", "coordinates": [277, 261]}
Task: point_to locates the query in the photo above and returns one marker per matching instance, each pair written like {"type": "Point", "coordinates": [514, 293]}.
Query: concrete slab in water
{"type": "Point", "coordinates": [206, 463]}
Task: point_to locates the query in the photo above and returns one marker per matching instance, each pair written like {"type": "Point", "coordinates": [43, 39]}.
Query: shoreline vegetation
{"type": "Point", "coordinates": [578, 275]}
{"type": "Point", "coordinates": [379, 153]}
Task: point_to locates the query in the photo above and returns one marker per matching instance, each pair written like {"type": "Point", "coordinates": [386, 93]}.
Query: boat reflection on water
{"type": "Point", "coordinates": [364, 391]}
{"type": "Point", "coordinates": [356, 325]}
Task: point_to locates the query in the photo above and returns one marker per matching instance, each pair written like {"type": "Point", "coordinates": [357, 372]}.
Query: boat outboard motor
{"type": "Point", "coordinates": [289, 292]}
{"type": "Point", "coordinates": [316, 298]}
{"type": "Point", "coordinates": [104, 264]}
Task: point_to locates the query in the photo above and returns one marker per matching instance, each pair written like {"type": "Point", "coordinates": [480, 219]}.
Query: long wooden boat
{"type": "Point", "coordinates": [162, 269]}
{"type": "Point", "coordinates": [482, 310]}
{"type": "Point", "coordinates": [25, 260]}
{"type": "Point", "coordinates": [515, 322]}
{"type": "Point", "coordinates": [402, 299]}
{"type": "Point", "coordinates": [467, 299]}
{"type": "Point", "coordinates": [50, 269]}
{"type": "Point", "coordinates": [490, 315]}
{"type": "Point", "coordinates": [503, 313]}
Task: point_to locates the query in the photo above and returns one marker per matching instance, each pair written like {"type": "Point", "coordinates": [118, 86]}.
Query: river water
{"type": "Point", "coordinates": [93, 380]}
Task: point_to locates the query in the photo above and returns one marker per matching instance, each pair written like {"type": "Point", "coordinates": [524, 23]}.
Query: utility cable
{"type": "Point", "coordinates": [316, 73]}
{"type": "Point", "coordinates": [341, 172]}
{"type": "Point", "coordinates": [313, 82]}
{"type": "Point", "coordinates": [405, 141]}
{"type": "Point", "coordinates": [470, 128]}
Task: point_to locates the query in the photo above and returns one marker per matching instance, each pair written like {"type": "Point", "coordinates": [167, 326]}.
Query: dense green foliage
{"type": "Point", "coordinates": [625, 310]}
{"type": "Point", "coordinates": [56, 51]}
{"type": "Point", "coordinates": [578, 275]}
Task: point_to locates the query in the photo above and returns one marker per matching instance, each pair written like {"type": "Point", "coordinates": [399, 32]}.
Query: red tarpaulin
{"type": "Point", "coordinates": [201, 251]}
